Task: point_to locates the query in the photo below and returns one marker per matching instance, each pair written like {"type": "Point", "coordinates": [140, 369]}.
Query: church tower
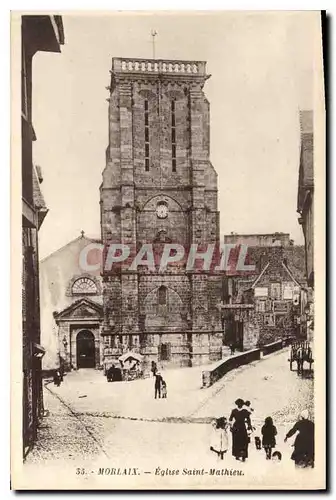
{"type": "Point", "coordinates": [160, 186]}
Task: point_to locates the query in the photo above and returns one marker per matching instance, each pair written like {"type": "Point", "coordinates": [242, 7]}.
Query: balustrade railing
{"type": "Point", "coordinates": [158, 66]}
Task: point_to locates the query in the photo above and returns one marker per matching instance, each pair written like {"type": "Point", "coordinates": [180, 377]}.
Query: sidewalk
{"type": "Point", "coordinates": [60, 436]}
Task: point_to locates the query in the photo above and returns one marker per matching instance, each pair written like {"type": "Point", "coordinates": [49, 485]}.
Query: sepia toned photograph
{"type": "Point", "coordinates": [169, 275]}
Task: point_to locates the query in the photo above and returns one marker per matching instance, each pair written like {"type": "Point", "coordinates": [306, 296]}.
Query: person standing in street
{"type": "Point", "coordinates": [157, 386]}
{"type": "Point", "coordinates": [153, 368]}
{"type": "Point", "coordinates": [219, 443]}
{"type": "Point", "coordinates": [164, 389]}
{"type": "Point", "coordinates": [268, 432]}
{"type": "Point", "coordinates": [57, 378]}
{"type": "Point", "coordinates": [303, 454]}
{"type": "Point", "coordinates": [241, 424]}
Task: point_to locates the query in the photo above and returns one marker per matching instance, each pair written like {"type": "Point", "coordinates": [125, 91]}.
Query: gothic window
{"type": "Point", "coordinates": [173, 135]}
{"type": "Point", "coordinates": [84, 286]}
{"type": "Point", "coordinates": [146, 136]}
{"type": "Point", "coordinates": [162, 296]}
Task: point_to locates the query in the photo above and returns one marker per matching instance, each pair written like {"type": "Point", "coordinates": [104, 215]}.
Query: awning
{"type": "Point", "coordinates": [38, 350]}
{"type": "Point", "coordinates": [130, 354]}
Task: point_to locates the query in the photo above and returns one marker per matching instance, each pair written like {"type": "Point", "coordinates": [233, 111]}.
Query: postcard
{"type": "Point", "coordinates": [168, 251]}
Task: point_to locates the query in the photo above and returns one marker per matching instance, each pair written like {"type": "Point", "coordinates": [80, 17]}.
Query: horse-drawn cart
{"type": "Point", "coordinates": [300, 353]}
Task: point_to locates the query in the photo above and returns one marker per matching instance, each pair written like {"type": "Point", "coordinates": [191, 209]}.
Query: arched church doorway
{"type": "Point", "coordinates": [85, 344]}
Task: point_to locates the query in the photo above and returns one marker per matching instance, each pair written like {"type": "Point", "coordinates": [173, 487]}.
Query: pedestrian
{"type": "Point", "coordinates": [248, 407]}
{"type": "Point", "coordinates": [157, 385]}
{"type": "Point", "coordinates": [57, 378]}
{"type": "Point", "coordinates": [110, 374]}
{"type": "Point", "coordinates": [153, 368]}
{"type": "Point", "coordinates": [268, 432]}
{"type": "Point", "coordinates": [61, 371]}
{"type": "Point", "coordinates": [304, 445]}
{"type": "Point", "coordinates": [164, 389]}
{"type": "Point", "coordinates": [232, 348]}
{"type": "Point", "coordinates": [299, 359]}
{"type": "Point", "coordinates": [219, 443]}
{"type": "Point", "coordinates": [241, 424]}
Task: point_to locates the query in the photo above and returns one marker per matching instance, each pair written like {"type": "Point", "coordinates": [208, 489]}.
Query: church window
{"type": "Point", "coordinates": [83, 286]}
{"type": "Point", "coordinates": [162, 296]}
{"type": "Point", "coordinates": [146, 136]}
{"type": "Point", "coordinates": [276, 291]}
{"type": "Point", "coordinates": [173, 135]}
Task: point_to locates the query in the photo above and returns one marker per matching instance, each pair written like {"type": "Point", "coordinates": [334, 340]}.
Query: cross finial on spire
{"type": "Point", "coordinates": [154, 33]}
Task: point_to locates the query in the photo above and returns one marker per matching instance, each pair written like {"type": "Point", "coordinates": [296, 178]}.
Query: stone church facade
{"type": "Point", "coordinates": [71, 308]}
{"type": "Point", "coordinates": [160, 186]}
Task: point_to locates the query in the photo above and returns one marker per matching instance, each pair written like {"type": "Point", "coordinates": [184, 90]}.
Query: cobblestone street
{"type": "Point", "coordinates": [103, 428]}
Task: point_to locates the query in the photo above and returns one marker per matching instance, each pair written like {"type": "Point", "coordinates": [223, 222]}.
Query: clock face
{"type": "Point", "coordinates": [162, 211]}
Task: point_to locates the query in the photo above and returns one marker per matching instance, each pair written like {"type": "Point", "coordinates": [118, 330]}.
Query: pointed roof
{"type": "Point", "coordinates": [81, 308]}
{"type": "Point", "coordinates": [258, 278]}
{"type": "Point", "coordinates": [290, 274]}
{"type": "Point", "coordinates": [82, 236]}
{"type": "Point", "coordinates": [284, 266]}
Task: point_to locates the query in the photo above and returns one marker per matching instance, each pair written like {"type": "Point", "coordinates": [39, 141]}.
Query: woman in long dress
{"type": "Point", "coordinates": [303, 454]}
{"type": "Point", "coordinates": [241, 423]}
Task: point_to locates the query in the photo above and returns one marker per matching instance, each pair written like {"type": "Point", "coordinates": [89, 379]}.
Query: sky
{"type": "Point", "coordinates": [261, 67]}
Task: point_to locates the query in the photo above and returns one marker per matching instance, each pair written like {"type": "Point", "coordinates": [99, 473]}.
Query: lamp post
{"type": "Point", "coordinates": [65, 345]}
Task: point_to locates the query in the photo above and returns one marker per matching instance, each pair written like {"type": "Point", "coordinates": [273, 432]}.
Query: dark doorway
{"type": "Point", "coordinates": [85, 349]}
{"type": "Point", "coordinates": [164, 352]}
{"type": "Point", "coordinates": [239, 335]}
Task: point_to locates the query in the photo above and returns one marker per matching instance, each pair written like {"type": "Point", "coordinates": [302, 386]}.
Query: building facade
{"type": "Point", "coordinates": [38, 33]}
{"type": "Point", "coordinates": [268, 303]}
{"type": "Point", "coordinates": [159, 186]}
{"type": "Point", "coordinates": [305, 199]}
{"type": "Point", "coordinates": [71, 308]}
{"type": "Point", "coordinates": [259, 240]}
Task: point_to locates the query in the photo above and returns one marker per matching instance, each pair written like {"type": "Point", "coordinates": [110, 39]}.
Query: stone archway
{"type": "Point", "coordinates": [85, 348]}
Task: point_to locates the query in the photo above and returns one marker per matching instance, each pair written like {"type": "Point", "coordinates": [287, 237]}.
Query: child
{"type": "Point", "coordinates": [164, 389]}
{"type": "Point", "coordinates": [276, 456]}
{"type": "Point", "coordinates": [268, 432]}
{"type": "Point", "coordinates": [219, 438]}
{"type": "Point", "coordinates": [248, 407]}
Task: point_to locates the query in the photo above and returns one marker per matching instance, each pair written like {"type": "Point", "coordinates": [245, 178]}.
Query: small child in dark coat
{"type": "Point", "coordinates": [268, 432]}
